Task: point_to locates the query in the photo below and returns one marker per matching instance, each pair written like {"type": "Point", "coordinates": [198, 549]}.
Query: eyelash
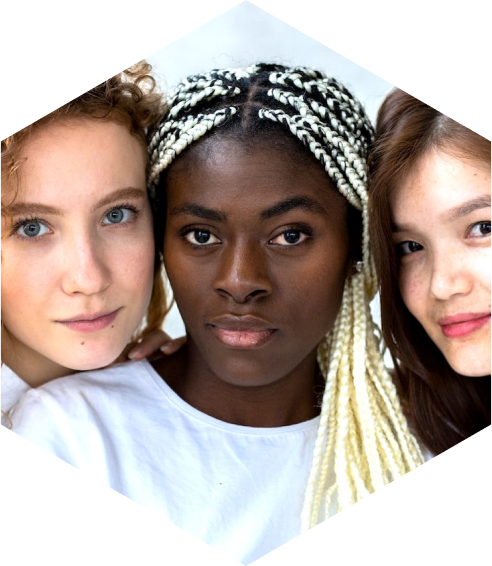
{"type": "Point", "coordinates": [27, 219]}
{"type": "Point", "coordinates": [400, 245]}
{"type": "Point", "coordinates": [302, 229]}
{"type": "Point", "coordinates": [481, 223]}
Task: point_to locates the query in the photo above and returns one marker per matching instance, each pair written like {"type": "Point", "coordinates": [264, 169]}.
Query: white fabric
{"type": "Point", "coordinates": [240, 489]}
{"type": "Point", "coordinates": [12, 389]}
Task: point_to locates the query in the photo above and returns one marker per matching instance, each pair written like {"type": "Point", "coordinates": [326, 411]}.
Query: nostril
{"type": "Point", "coordinates": [256, 293]}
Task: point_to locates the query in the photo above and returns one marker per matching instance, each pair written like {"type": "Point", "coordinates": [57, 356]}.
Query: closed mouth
{"type": "Point", "coordinates": [90, 322]}
{"type": "Point", "coordinates": [241, 332]}
{"type": "Point", "coordinates": [460, 325]}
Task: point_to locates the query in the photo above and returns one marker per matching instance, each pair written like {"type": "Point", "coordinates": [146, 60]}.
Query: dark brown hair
{"type": "Point", "coordinates": [443, 406]}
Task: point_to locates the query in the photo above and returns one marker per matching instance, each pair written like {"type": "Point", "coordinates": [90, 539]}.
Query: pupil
{"type": "Point", "coordinates": [115, 216]}
{"type": "Point", "coordinates": [202, 236]}
{"type": "Point", "coordinates": [485, 228]}
{"type": "Point", "coordinates": [292, 237]}
{"type": "Point", "coordinates": [32, 229]}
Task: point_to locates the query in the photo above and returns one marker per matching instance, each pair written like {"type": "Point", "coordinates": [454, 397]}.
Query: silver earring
{"type": "Point", "coordinates": [358, 265]}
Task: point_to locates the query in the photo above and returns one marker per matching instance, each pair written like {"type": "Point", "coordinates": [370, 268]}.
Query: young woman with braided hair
{"type": "Point", "coordinates": [430, 224]}
{"type": "Point", "coordinates": [279, 411]}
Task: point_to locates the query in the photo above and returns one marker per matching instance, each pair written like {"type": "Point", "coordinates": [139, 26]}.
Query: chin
{"type": "Point", "coordinates": [477, 364]}
{"type": "Point", "coordinates": [93, 358]}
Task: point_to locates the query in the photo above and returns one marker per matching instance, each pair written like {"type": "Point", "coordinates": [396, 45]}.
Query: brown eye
{"type": "Point", "coordinates": [480, 229]}
{"type": "Point", "coordinates": [290, 238]}
{"type": "Point", "coordinates": [406, 248]}
{"type": "Point", "coordinates": [201, 237]}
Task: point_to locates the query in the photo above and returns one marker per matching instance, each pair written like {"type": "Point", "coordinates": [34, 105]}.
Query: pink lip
{"type": "Point", "coordinates": [241, 332]}
{"type": "Point", "coordinates": [460, 325]}
{"type": "Point", "coordinates": [90, 322]}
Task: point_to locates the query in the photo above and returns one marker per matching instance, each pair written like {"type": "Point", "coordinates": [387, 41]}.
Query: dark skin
{"type": "Point", "coordinates": [257, 251]}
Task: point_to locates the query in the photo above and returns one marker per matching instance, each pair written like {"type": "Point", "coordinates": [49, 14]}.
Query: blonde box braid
{"type": "Point", "coordinates": [363, 437]}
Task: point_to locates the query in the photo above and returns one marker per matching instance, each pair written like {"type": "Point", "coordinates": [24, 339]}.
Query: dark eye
{"type": "Point", "coordinates": [479, 230]}
{"type": "Point", "coordinates": [32, 228]}
{"type": "Point", "coordinates": [117, 215]}
{"type": "Point", "coordinates": [201, 237]}
{"type": "Point", "coordinates": [406, 248]}
{"type": "Point", "coordinates": [289, 238]}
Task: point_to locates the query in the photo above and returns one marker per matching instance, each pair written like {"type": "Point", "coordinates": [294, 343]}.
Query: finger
{"type": "Point", "coordinates": [173, 345]}
{"type": "Point", "coordinates": [150, 344]}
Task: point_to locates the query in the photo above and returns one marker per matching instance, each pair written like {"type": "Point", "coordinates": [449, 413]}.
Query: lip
{"type": "Point", "coordinates": [90, 322]}
{"type": "Point", "coordinates": [241, 332]}
{"type": "Point", "coordinates": [459, 325]}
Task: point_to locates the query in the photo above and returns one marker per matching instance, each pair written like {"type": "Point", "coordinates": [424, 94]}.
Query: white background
{"type": "Point", "coordinates": [248, 35]}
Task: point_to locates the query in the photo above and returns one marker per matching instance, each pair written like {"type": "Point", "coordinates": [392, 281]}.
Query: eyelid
{"type": "Point", "coordinates": [305, 230]}
{"type": "Point", "coordinates": [20, 222]}
{"type": "Point", "coordinates": [185, 232]}
{"type": "Point", "coordinates": [476, 224]}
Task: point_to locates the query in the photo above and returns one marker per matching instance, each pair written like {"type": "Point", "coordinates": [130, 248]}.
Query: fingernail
{"type": "Point", "coordinates": [133, 354]}
{"type": "Point", "coordinates": [166, 347]}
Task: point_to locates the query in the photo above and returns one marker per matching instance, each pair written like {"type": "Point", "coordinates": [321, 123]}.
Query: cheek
{"type": "Point", "coordinates": [413, 291]}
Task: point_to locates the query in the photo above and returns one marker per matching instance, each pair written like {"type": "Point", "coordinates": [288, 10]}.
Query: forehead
{"type": "Point", "coordinates": [439, 182]}
{"type": "Point", "coordinates": [219, 169]}
{"type": "Point", "coordinates": [74, 154]}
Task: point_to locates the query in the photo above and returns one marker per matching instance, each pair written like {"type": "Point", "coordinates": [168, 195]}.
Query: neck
{"type": "Point", "coordinates": [290, 400]}
{"type": "Point", "coordinates": [29, 365]}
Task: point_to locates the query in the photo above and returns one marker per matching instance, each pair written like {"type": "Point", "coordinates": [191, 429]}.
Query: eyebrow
{"type": "Point", "coordinates": [18, 208]}
{"type": "Point", "coordinates": [278, 209]}
{"type": "Point", "coordinates": [304, 203]}
{"type": "Point", "coordinates": [469, 206]}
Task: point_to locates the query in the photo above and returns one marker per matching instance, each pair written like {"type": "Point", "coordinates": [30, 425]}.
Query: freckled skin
{"type": "Point", "coordinates": [445, 270]}
{"type": "Point", "coordinates": [80, 263]}
{"type": "Point", "coordinates": [250, 270]}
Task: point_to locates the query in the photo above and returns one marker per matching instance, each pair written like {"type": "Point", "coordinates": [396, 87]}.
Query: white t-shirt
{"type": "Point", "coordinates": [238, 488]}
{"type": "Point", "coordinates": [12, 389]}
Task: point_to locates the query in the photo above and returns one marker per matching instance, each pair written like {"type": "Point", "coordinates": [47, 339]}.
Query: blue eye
{"type": "Point", "coordinates": [32, 229]}
{"type": "Point", "coordinates": [118, 215]}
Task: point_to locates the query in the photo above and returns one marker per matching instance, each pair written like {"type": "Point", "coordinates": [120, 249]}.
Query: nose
{"type": "Point", "coordinates": [450, 275]}
{"type": "Point", "coordinates": [243, 273]}
{"type": "Point", "coordinates": [85, 269]}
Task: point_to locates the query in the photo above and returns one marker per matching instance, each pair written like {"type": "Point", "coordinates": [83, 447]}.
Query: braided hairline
{"type": "Point", "coordinates": [361, 422]}
{"type": "Point", "coordinates": [159, 162]}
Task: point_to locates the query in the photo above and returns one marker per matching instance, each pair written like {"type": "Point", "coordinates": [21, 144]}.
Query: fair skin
{"type": "Point", "coordinates": [441, 217]}
{"type": "Point", "coordinates": [78, 252]}
{"type": "Point", "coordinates": [257, 251]}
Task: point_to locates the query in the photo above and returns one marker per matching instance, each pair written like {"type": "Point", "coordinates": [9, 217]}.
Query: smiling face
{"type": "Point", "coordinates": [256, 249]}
{"type": "Point", "coordinates": [78, 252]}
{"type": "Point", "coordinates": [441, 217]}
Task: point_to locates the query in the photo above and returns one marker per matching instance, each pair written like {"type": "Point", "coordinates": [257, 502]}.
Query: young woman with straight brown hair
{"type": "Point", "coordinates": [430, 226]}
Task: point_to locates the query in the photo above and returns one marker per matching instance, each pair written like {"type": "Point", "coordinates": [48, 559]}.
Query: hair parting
{"type": "Point", "coordinates": [363, 437]}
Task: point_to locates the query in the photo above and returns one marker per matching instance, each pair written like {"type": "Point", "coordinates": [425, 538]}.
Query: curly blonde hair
{"type": "Point", "coordinates": [130, 98]}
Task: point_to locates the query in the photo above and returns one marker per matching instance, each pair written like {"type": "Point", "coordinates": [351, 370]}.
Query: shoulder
{"type": "Point", "coordinates": [80, 395]}
{"type": "Point", "coordinates": [13, 388]}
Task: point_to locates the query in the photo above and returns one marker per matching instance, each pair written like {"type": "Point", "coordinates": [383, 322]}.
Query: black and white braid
{"type": "Point", "coordinates": [363, 440]}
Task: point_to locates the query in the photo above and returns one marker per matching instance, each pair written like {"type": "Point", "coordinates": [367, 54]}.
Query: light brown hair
{"type": "Point", "coordinates": [443, 406]}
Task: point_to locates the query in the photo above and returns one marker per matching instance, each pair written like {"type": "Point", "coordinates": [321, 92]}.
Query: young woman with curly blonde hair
{"type": "Point", "coordinates": [78, 260]}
